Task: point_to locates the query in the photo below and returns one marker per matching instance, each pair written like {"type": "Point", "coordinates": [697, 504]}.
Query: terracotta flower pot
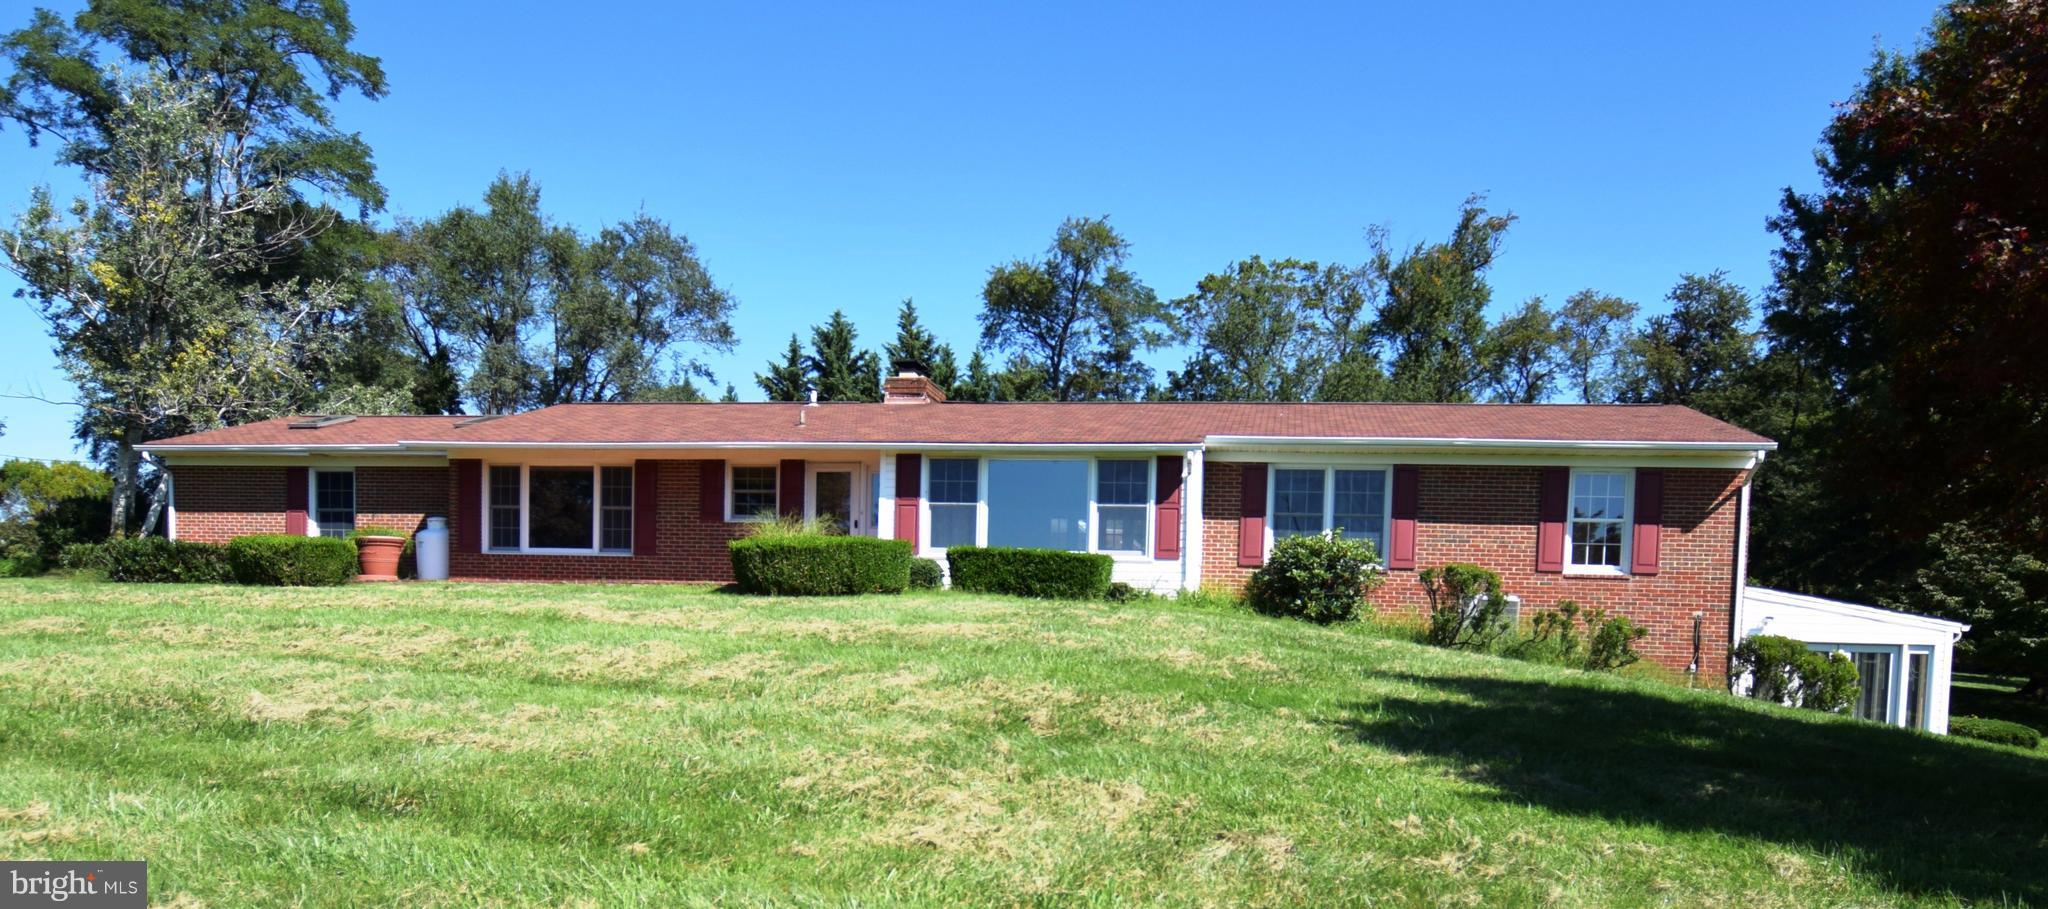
{"type": "Point", "coordinates": [380, 557]}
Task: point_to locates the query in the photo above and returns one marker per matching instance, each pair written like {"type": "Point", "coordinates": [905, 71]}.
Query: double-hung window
{"type": "Point", "coordinates": [954, 488]}
{"type": "Point", "coordinates": [1598, 520]}
{"type": "Point", "coordinates": [334, 502]}
{"type": "Point", "coordinates": [1123, 493]}
{"type": "Point", "coordinates": [753, 493]}
{"type": "Point", "coordinates": [561, 509]}
{"type": "Point", "coordinates": [1346, 501]}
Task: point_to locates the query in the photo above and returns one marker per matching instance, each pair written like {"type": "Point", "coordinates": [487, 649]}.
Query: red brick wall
{"type": "Point", "coordinates": [217, 504]}
{"type": "Point", "coordinates": [1487, 515]}
{"type": "Point", "coordinates": [687, 548]}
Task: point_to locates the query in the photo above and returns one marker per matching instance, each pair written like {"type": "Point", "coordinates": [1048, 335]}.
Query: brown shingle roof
{"type": "Point", "coordinates": [1006, 424]}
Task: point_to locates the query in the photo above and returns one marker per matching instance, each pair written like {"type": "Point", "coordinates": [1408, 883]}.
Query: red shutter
{"type": "Point", "coordinates": [789, 496]}
{"type": "Point", "coordinates": [646, 477]}
{"type": "Point", "coordinates": [1550, 507]}
{"type": "Point", "coordinates": [295, 501]}
{"type": "Point", "coordinates": [469, 505]}
{"type": "Point", "coordinates": [1251, 521]}
{"type": "Point", "coordinates": [909, 488]}
{"type": "Point", "coordinates": [1166, 495]}
{"type": "Point", "coordinates": [711, 491]}
{"type": "Point", "coordinates": [1649, 522]}
{"type": "Point", "coordinates": [1401, 533]}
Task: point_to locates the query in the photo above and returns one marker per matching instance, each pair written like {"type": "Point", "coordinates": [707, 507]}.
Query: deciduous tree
{"type": "Point", "coordinates": [1076, 315]}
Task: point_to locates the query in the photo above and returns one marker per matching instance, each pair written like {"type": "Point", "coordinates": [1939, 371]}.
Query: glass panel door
{"type": "Point", "coordinates": [1916, 689]}
{"type": "Point", "coordinates": [833, 501]}
{"type": "Point", "coordinates": [1874, 677]}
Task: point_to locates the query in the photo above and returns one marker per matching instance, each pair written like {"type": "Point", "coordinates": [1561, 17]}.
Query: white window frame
{"type": "Point", "coordinates": [1895, 713]}
{"type": "Point", "coordinates": [1151, 459]}
{"type": "Point", "coordinates": [526, 512]}
{"type": "Point", "coordinates": [773, 514]}
{"type": "Point", "coordinates": [313, 498]}
{"type": "Point", "coordinates": [1329, 469]}
{"type": "Point", "coordinates": [1628, 522]}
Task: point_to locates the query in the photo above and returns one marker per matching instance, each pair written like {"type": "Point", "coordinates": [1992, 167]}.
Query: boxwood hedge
{"type": "Point", "coordinates": [284, 560]}
{"type": "Point", "coordinates": [820, 565]}
{"type": "Point", "coordinates": [2004, 732]}
{"type": "Point", "coordinates": [155, 560]}
{"type": "Point", "coordinates": [1046, 573]}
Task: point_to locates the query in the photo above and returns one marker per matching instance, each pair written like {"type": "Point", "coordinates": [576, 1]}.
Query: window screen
{"type": "Point", "coordinates": [617, 509]}
{"type": "Point", "coordinates": [1122, 490]}
{"type": "Point", "coordinates": [334, 502]}
{"type": "Point", "coordinates": [1297, 502]}
{"type": "Point", "coordinates": [559, 507]}
{"type": "Point", "coordinates": [504, 508]}
{"type": "Point", "coordinates": [753, 492]}
{"type": "Point", "coordinates": [1599, 502]}
{"type": "Point", "coordinates": [1038, 504]}
{"type": "Point", "coordinates": [954, 489]}
{"type": "Point", "coordinates": [1359, 507]}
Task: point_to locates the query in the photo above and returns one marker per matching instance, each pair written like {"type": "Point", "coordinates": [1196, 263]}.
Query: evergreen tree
{"type": "Point", "coordinates": [789, 380]}
{"type": "Point", "coordinates": [842, 370]}
{"type": "Point", "coordinates": [913, 342]}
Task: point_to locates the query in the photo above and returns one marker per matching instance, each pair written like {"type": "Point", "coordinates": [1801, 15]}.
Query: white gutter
{"type": "Point", "coordinates": [1538, 444]}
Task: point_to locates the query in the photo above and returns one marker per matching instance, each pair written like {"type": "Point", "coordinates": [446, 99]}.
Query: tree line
{"type": "Point", "coordinates": [225, 266]}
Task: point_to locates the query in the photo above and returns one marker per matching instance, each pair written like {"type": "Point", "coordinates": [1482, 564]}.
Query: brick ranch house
{"type": "Point", "coordinates": [1638, 509]}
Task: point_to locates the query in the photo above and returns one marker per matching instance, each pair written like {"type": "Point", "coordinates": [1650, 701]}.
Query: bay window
{"type": "Point", "coordinates": [1346, 501]}
{"type": "Point", "coordinates": [1598, 520]}
{"type": "Point", "coordinates": [560, 509]}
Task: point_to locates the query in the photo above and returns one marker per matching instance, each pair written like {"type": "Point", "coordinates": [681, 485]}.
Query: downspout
{"type": "Point", "coordinates": [1740, 587]}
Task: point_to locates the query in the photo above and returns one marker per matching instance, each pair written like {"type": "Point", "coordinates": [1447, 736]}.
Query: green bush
{"type": "Point", "coordinates": [926, 574]}
{"type": "Point", "coordinates": [1045, 573]}
{"type": "Point", "coordinates": [1581, 638]}
{"type": "Point", "coordinates": [20, 550]}
{"type": "Point", "coordinates": [287, 560]}
{"type": "Point", "coordinates": [1319, 578]}
{"type": "Point", "coordinates": [83, 557]}
{"type": "Point", "coordinates": [1783, 671]}
{"type": "Point", "coordinates": [2002, 732]}
{"type": "Point", "coordinates": [155, 560]}
{"type": "Point", "coordinates": [820, 565]}
{"type": "Point", "coordinates": [1466, 607]}
{"type": "Point", "coordinates": [1120, 592]}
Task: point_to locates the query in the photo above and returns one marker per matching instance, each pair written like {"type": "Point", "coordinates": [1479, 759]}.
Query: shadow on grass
{"type": "Point", "coordinates": [1925, 815]}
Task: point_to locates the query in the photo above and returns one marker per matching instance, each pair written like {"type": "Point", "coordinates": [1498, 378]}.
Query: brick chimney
{"type": "Point", "coordinates": [910, 385]}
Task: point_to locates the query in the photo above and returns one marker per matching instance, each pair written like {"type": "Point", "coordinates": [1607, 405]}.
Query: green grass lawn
{"type": "Point", "coordinates": [1997, 697]}
{"type": "Point", "coordinates": [438, 745]}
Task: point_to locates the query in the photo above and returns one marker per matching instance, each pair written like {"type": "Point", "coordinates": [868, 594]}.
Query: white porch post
{"type": "Point", "coordinates": [1191, 521]}
{"type": "Point", "coordinates": [885, 498]}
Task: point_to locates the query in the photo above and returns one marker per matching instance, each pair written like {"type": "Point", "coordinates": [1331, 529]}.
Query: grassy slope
{"type": "Point", "coordinates": [513, 745]}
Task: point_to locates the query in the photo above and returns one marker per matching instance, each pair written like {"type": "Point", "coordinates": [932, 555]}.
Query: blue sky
{"type": "Point", "coordinates": [845, 156]}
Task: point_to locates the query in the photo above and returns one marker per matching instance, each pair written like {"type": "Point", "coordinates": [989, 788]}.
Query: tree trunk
{"type": "Point", "coordinates": [124, 479]}
{"type": "Point", "coordinates": [159, 494]}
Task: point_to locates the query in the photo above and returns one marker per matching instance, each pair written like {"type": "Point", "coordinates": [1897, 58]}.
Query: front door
{"type": "Point", "coordinates": [835, 498]}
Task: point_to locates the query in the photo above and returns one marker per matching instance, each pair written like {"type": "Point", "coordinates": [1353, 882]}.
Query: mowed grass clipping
{"type": "Point", "coordinates": [511, 745]}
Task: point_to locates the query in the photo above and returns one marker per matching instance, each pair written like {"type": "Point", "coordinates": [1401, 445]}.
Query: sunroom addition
{"type": "Point", "coordinates": [1903, 661]}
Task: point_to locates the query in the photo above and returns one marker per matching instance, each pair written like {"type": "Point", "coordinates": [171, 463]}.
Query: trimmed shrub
{"type": "Point", "coordinates": [820, 565]}
{"type": "Point", "coordinates": [155, 560]}
{"type": "Point", "coordinates": [2000, 732]}
{"type": "Point", "coordinates": [926, 574]}
{"type": "Point", "coordinates": [83, 557]}
{"type": "Point", "coordinates": [1466, 607]}
{"type": "Point", "coordinates": [1783, 671]}
{"type": "Point", "coordinates": [1045, 573]}
{"type": "Point", "coordinates": [1318, 578]}
{"type": "Point", "coordinates": [1581, 638]}
{"type": "Point", "coordinates": [285, 560]}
